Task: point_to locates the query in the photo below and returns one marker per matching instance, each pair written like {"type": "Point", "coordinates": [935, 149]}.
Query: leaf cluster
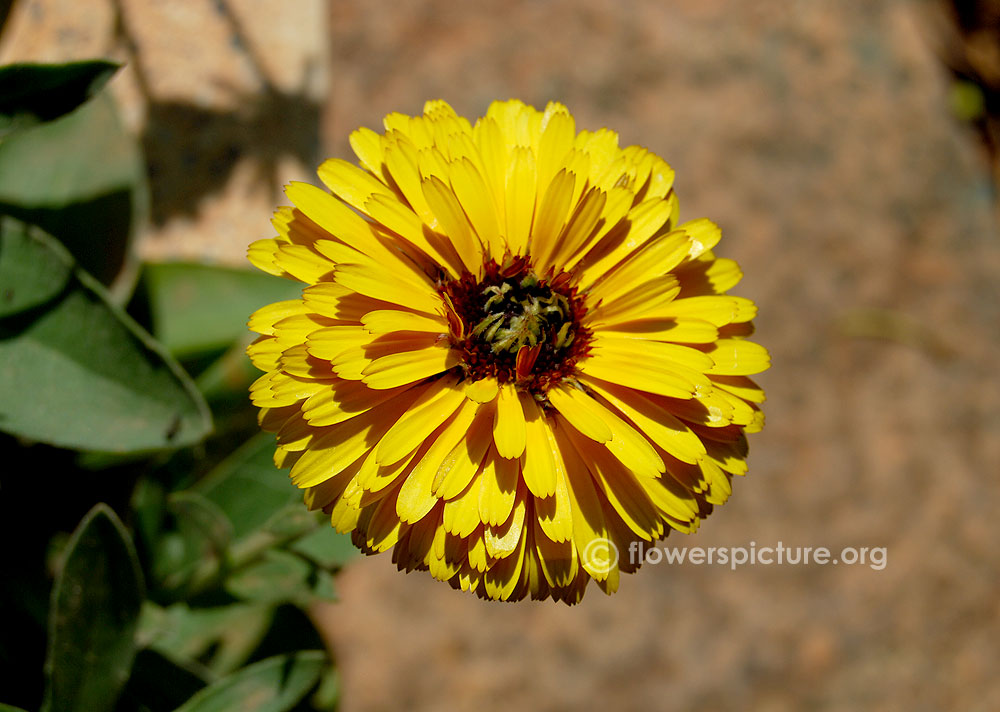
{"type": "Point", "coordinates": [154, 559]}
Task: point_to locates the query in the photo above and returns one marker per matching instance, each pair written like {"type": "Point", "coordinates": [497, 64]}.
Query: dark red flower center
{"type": "Point", "coordinates": [515, 326]}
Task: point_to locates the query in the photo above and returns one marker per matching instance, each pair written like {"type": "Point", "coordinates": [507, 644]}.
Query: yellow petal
{"type": "Point", "coordinates": [581, 411]}
{"type": "Point", "coordinates": [653, 419]}
{"type": "Point", "coordinates": [294, 330]}
{"type": "Point", "coordinates": [452, 222]}
{"type": "Point", "coordinates": [417, 495]}
{"type": "Point", "coordinates": [370, 282]}
{"type": "Point", "coordinates": [331, 341]}
{"type": "Point", "coordinates": [338, 220]}
{"type": "Point", "coordinates": [341, 400]}
{"type": "Point", "coordinates": [281, 389]}
{"type": "Point", "coordinates": [621, 488]}
{"type": "Point", "coordinates": [415, 499]}
{"type": "Point", "coordinates": [353, 185]}
{"type": "Point", "coordinates": [555, 514]}
{"type": "Point", "coordinates": [384, 321]}
{"type": "Point", "coordinates": [708, 276]}
{"type": "Point", "coordinates": [403, 161]}
{"type": "Point", "coordinates": [672, 355]}
{"type": "Point", "coordinates": [508, 424]}
{"type": "Point", "coordinates": [616, 207]}
{"type": "Point", "coordinates": [384, 528]}
{"type": "Point", "coordinates": [404, 367]}
{"type": "Point", "coordinates": [719, 310]}
{"type": "Point", "coordinates": [261, 254]}
{"type": "Point", "coordinates": [579, 228]}
{"type": "Point", "coordinates": [655, 258]}
{"type": "Point", "coordinates": [643, 301]}
{"type": "Point", "coordinates": [483, 390]}
{"type": "Point", "coordinates": [702, 235]}
{"type": "Point", "coordinates": [340, 445]}
{"type": "Point", "coordinates": [502, 540]}
{"type": "Point", "coordinates": [632, 448]}
{"type": "Point", "coordinates": [504, 578]}
{"type": "Point", "coordinates": [466, 458]}
{"type": "Point", "coordinates": [590, 535]}
{"type": "Point", "coordinates": [741, 387]}
{"type": "Point", "coordinates": [520, 199]}
{"type": "Point", "coordinates": [644, 221]}
{"type": "Point", "coordinates": [378, 480]}
{"type": "Point", "coordinates": [476, 200]}
{"type": "Point", "coordinates": [539, 467]}
{"type": "Point", "coordinates": [558, 559]}
{"type": "Point", "coordinates": [736, 357]}
{"type": "Point", "coordinates": [367, 146]}
{"type": "Point", "coordinates": [489, 140]}
{"type": "Point", "coordinates": [303, 263]}
{"type": "Point", "coordinates": [552, 213]}
{"type": "Point", "coordinates": [497, 487]}
{"type": "Point", "coordinates": [298, 362]}
{"type": "Point", "coordinates": [434, 406]}
{"type": "Point", "coordinates": [618, 368]}
{"type": "Point", "coordinates": [404, 222]}
{"type": "Point", "coordinates": [262, 321]}
{"type": "Point", "coordinates": [558, 131]}
{"type": "Point", "coordinates": [683, 330]}
{"type": "Point", "coordinates": [264, 353]}
{"type": "Point", "coordinates": [461, 513]}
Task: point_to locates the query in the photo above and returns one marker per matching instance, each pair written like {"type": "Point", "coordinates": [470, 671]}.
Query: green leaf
{"type": "Point", "coordinates": [277, 576]}
{"type": "Point", "coordinates": [328, 695]}
{"type": "Point", "coordinates": [194, 555]}
{"type": "Point", "coordinates": [76, 371]}
{"type": "Point", "coordinates": [198, 308]}
{"type": "Point", "coordinates": [30, 274]}
{"type": "Point", "coordinates": [248, 487]}
{"type": "Point", "coordinates": [218, 638]}
{"type": "Point", "coordinates": [10, 708]}
{"type": "Point", "coordinates": [93, 617]}
{"type": "Point", "coordinates": [81, 178]}
{"type": "Point", "coordinates": [273, 685]}
{"type": "Point", "coordinates": [326, 547]}
{"type": "Point", "coordinates": [34, 93]}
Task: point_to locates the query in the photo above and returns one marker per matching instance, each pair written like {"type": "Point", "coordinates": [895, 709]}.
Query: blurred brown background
{"type": "Point", "coordinates": [851, 173]}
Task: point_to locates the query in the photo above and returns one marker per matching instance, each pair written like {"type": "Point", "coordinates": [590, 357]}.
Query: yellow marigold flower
{"type": "Point", "coordinates": [510, 362]}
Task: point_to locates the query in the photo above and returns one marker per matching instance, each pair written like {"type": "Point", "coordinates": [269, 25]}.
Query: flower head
{"type": "Point", "coordinates": [510, 361]}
